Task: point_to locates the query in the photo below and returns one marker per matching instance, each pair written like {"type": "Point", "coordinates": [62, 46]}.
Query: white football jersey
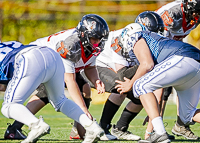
{"type": "Point", "coordinates": [176, 25]}
{"type": "Point", "coordinates": [70, 67]}
{"type": "Point", "coordinates": [109, 57]}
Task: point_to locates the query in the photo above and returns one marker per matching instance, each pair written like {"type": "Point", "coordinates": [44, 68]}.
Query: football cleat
{"type": "Point", "coordinates": [156, 138]}
{"type": "Point", "coordinates": [184, 131]}
{"type": "Point", "coordinates": [93, 133]}
{"type": "Point", "coordinates": [13, 133]}
{"type": "Point", "coordinates": [124, 134]}
{"type": "Point", "coordinates": [74, 134]}
{"type": "Point", "coordinates": [38, 129]}
{"type": "Point", "coordinates": [107, 136]}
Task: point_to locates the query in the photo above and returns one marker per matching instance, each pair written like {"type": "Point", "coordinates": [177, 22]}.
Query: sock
{"type": "Point", "coordinates": [73, 111]}
{"type": "Point", "coordinates": [158, 125]}
{"type": "Point", "coordinates": [179, 122]}
{"type": "Point", "coordinates": [108, 113]}
{"type": "Point", "coordinates": [20, 113]}
{"type": "Point", "coordinates": [87, 101]}
{"type": "Point", "coordinates": [17, 125]}
{"type": "Point", "coordinates": [125, 120]}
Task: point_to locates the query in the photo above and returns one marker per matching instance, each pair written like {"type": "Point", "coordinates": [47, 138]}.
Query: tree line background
{"type": "Point", "coordinates": [28, 20]}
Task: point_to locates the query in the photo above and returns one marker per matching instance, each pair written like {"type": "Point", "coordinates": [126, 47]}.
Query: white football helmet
{"type": "Point", "coordinates": [129, 37]}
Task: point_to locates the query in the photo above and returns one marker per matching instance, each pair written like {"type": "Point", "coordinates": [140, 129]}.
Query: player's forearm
{"type": "Point", "coordinates": [139, 73]}
{"type": "Point", "coordinates": [92, 74]}
{"type": "Point", "coordinates": [76, 95]}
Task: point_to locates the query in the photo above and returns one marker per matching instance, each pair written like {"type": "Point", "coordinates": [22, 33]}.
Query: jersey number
{"type": "Point", "coordinates": [62, 46]}
{"type": "Point", "coordinates": [166, 18]}
{"type": "Point", "coordinates": [116, 44]}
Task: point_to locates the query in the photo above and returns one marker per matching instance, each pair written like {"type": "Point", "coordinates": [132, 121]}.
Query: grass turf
{"type": "Point", "coordinates": [61, 125]}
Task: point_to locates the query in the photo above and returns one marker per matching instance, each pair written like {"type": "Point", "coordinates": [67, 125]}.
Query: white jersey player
{"type": "Point", "coordinates": [180, 18]}
{"type": "Point", "coordinates": [78, 54]}
{"type": "Point", "coordinates": [113, 67]}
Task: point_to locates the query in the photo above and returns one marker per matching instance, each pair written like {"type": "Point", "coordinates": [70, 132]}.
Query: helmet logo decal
{"type": "Point", "coordinates": [90, 26]}
{"type": "Point", "coordinates": [145, 21]}
{"type": "Point", "coordinates": [93, 25]}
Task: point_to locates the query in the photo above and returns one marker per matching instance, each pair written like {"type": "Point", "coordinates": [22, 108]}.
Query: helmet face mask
{"type": "Point", "coordinates": [92, 26]}
{"type": "Point", "coordinates": [152, 21]}
{"type": "Point", "coordinates": [191, 6]}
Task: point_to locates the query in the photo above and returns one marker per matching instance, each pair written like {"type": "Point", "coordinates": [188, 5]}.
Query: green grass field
{"type": "Point", "coordinates": [61, 125]}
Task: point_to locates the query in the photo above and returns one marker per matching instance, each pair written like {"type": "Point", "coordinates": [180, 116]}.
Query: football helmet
{"type": "Point", "coordinates": [92, 25]}
{"type": "Point", "coordinates": [190, 6]}
{"type": "Point", "coordinates": [151, 20]}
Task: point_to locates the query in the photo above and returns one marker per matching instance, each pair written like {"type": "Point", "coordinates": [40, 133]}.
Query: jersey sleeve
{"type": "Point", "coordinates": [51, 40]}
{"type": "Point", "coordinates": [69, 66]}
{"type": "Point", "coordinates": [70, 48]}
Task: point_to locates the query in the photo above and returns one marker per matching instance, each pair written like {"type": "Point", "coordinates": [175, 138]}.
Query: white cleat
{"type": "Point", "coordinates": [108, 137]}
{"type": "Point", "coordinates": [38, 130]}
{"type": "Point", "coordinates": [123, 134]}
{"type": "Point", "coordinates": [93, 133]}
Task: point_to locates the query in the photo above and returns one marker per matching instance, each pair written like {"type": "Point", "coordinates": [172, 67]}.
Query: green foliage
{"type": "Point", "coordinates": [28, 20]}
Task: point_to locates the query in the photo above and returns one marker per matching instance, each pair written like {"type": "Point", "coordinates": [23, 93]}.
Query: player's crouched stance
{"type": "Point", "coordinates": [163, 64]}
{"type": "Point", "coordinates": [34, 65]}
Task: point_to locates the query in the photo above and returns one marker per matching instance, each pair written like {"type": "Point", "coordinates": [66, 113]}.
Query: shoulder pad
{"type": "Point", "coordinates": [70, 48]}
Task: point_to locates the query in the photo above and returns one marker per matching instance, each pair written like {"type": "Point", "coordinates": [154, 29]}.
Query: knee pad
{"type": "Point", "coordinates": [133, 99]}
{"type": "Point", "coordinates": [42, 93]}
{"type": "Point", "coordinates": [166, 92]}
{"type": "Point", "coordinates": [45, 100]}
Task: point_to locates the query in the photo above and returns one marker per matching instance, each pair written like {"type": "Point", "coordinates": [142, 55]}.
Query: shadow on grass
{"type": "Point", "coordinates": [46, 140]}
{"type": "Point", "coordinates": [184, 140]}
{"type": "Point", "coordinates": [79, 141]}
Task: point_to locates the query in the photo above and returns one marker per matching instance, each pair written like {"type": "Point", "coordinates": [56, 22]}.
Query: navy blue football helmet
{"type": "Point", "coordinates": [92, 25]}
{"type": "Point", "coordinates": [151, 20]}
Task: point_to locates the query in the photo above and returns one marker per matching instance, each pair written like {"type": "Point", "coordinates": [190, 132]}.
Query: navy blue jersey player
{"type": "Point", "coordinates": [29, 66]}
{"type": "Point", "coordinates": [163, 63]}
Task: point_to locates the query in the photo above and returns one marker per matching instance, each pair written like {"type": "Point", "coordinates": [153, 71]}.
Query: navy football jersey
{"type": "Point", "coordinates": [8, 50]}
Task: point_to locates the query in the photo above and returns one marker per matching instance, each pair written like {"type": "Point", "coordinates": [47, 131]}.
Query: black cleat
{"type": "Point", "coordinates": [13, 133]}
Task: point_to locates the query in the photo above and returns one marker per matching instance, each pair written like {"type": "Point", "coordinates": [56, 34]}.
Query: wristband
{"type": "Point", "coordinates": [148, 132]}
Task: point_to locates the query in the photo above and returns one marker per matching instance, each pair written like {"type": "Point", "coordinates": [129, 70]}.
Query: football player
{"type": "Point", "coordinates": [78, 48]}
{"type": "Point", "coordinates": [29, 66]}
{"type": "Point", "coordinates": [163, 63]}
{"type": "Point", "coordinates": [112, 67]}
{"type": "Point", "coordinates": [179, 17]}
